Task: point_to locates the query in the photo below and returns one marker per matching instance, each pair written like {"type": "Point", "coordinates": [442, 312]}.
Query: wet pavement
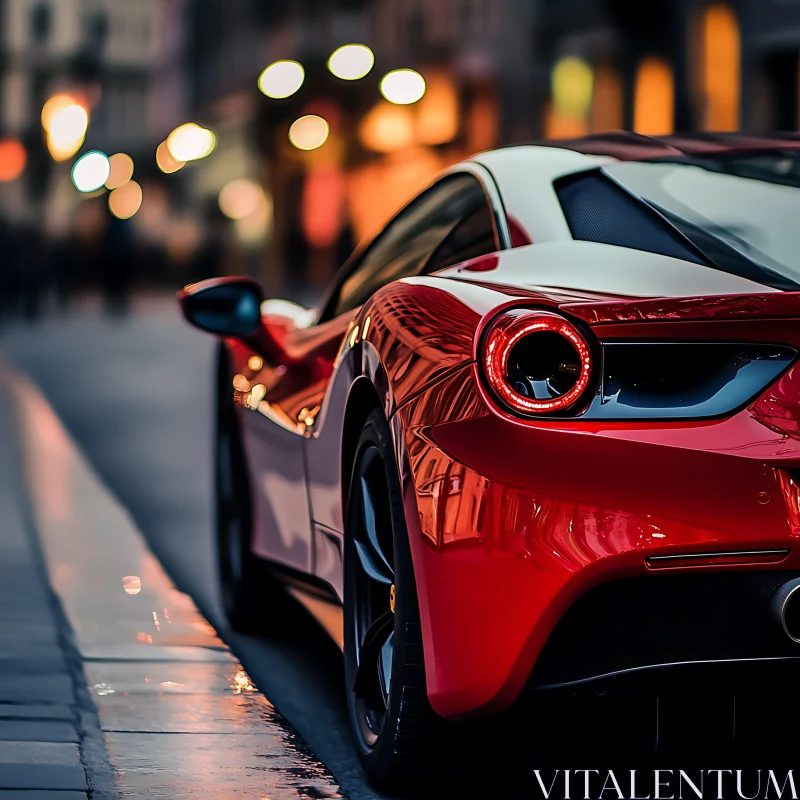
{"type": "Point", "coordinates": [178, 713]}
{"type": "Point", "coordinates": [45, 716]}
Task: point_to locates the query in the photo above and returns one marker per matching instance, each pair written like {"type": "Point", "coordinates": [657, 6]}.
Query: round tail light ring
{"type": "Point", "coordinates": [506, 332]}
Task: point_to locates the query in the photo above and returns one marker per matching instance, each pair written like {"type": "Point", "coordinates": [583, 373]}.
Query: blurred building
{"type": "Point", "coordinates": [272, 203]}
{"type": "Point", "coordinates": [668, 65]}
{"type": "Point", "coordinates": [105, 50]}
{"type": "Point", "coordinates": [478, 61]}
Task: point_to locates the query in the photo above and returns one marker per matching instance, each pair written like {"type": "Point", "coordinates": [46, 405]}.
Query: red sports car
{"type": "Point", "coordinates": [542, 432]}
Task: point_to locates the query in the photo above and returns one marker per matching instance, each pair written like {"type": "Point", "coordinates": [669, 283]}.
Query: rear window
{"type": "Point", "coordinates": [737, 213]}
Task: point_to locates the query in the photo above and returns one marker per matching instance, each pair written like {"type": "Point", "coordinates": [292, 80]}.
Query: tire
{"type": "Point", "coordinates": [238, 569]}
{"type": "Point", "coordinates": [387, 700]}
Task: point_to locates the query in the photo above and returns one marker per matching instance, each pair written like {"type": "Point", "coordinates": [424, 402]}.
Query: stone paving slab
{"type": "Point", "coordinates": [37, 730]}
{"type": "Point", "coordinates": [40, 753]}
{"type": "Point", "coordinates": [39, 794]}
{"type": "Point", "coordinates": [33, 711]}
{"type": "Point", "coordinates": [33, 664]}
{"type": "Point", "coordinates": [46, 688]}
{"type": "Point", "coordinates": [44, 776]}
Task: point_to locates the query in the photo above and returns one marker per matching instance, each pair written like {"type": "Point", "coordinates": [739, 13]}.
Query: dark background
{"type": "Point", "coordinates": [497, 72]}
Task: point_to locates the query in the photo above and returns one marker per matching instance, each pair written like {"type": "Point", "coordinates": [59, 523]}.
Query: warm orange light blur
{"type": "Point", "coordinates": [387, 127]}
{"type": "Point", "coordinates": [121, 170]}
{"type": "Point", "coordinates": [12, 159]}
{"type": "Point", "coordinates": [255, 363]}
{"type": "Point", "coordinates": [240, 198]}
{"type": "Point", "coordinates": [606, 100]}
{"type": "Point", "coordinates": [132, 584]}
{"type": "Point", "coordinates": [720, 55]}
{"type": "Point", "coordinates": [654, 97]}
{"type": "Point", "coordinates": [191, 142]}
{"type": "Point", "coordinates": [324, 195]}
{"type": "Point", "coordinates": [57, 103]}
{"type": "Point", "coordinates": [558, 125]}
{"type": "Point", "coordinates": [166, 163]}
{"type": "Point", "coordinates": [482, 123]}
{"type": "Point", "coordinates": [125, 201]}
{"type": "Point", "coordinates": [66, 131]}
{"type": "Point", "coordinates": [309, 132]}
{"type": "Point", "coordinates": [437, 111]}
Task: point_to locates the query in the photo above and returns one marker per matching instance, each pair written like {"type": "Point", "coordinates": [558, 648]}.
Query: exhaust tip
{"type": "Point", "coordinates": [786, 608]}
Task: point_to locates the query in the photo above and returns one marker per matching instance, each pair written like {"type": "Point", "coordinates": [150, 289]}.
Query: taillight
{"type": "Point", "coordinates": [536, 362]}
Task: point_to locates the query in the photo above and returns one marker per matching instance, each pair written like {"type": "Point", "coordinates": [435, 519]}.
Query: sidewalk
{"type": "Point", "coordinates": [120, 687]}
{"type": "Point", "coordinates": [48, 728]}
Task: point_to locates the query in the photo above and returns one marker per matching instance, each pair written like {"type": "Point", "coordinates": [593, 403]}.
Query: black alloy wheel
{"type": "Point", "coordinates": [384, 669]}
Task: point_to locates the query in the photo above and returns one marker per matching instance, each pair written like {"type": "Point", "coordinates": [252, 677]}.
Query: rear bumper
{"type": "Point", "coordinates": [512, 522]}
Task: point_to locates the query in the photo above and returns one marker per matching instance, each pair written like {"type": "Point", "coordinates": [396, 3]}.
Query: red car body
{"type": "Point", "coordinates": [513, 519]}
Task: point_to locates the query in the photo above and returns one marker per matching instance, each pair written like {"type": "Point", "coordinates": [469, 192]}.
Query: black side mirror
{"type": "Point", "coordinates": [223, 306]}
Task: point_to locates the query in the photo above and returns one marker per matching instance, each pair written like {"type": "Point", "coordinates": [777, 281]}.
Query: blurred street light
{"type": "Point", "coordinates": [309, 132]}
{"type": "Point", "coordinates": [387, 127]}
{"type": "Point", "coordinates": [58, 102]}
{"type": "Point", "coordinates": [572, 82]}
{"type": "Point", "coordinates": [121, 170]}
{"type": "Point", "coordinates": [66, 130]}
{"type": "Point", "coordinates": [402, 86]}
{"type": "Point", "coordinates": [281, 79]}
{"type": "Point", "coordinates": [241, 198]}
{"type": "Point", "coordinates": [351, 62]}
{"type": "Point", "coordinates": [125, 201]}
{"type": "Point", "coordinates": [166, 163]}
{"type": "Point", "coordinates": [191, 142]}
{"type": "Point", "coordinates": [12, 159]}
{"type": "Point", "coordinates": [91, 171]}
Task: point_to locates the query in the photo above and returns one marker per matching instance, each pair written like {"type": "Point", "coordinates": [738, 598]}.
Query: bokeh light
{"type": "Point", "coordinates": [125, 201]}
{"type": "Point", "coordinates": [387, 127]}
{"type": "Point", "coordinates": [121, 170]}
{"type": "Point", "coordinates": [402, 86]}
{"type": "Point", "coordinates": [309, 132]}
{"type": "Point", "coordinates": [438, 113]}
{"type": "Point", "coordinates": [57, 103]}
{"type": "Point", "coordinates": [91, 171]}
{"type": "Point", "coordinates": [166, 163]}
{"type": "Point", "coordinates": [571, 85]}
{"type": "Point", "coordinates": [281, 79]}
{"type": "Point", "coordinates": [351, 61]}
{"type": "Point", "coordinates": [241, 198]}
{"type": "Point", "coordinates": [66, 131]}
{"type": "Point", "coordinates": [191, 142]}
{"type": "Point", "coordinates": [12, 159]}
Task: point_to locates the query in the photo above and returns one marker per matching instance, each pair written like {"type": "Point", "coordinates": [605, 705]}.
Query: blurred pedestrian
{"type": "Point", "coordinates": [116, 266]}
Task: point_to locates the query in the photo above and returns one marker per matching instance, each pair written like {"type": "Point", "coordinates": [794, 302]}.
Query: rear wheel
{"type": "Point", "coordinates": [384, 669]}
{"type": "Point", "coordinates": [238, 568]}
